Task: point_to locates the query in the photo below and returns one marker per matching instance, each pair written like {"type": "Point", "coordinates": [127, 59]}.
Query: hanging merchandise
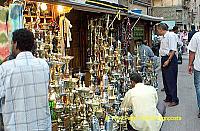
{"type": "Point", "coordinates": [65, 33]}
{"type": "Point", "coordinates": [4, 29]}
{"type": "Point", "coordinates": [74, 105]}
{"type": "Point", "coordinates": [16, 16]}
{"type": "Point", "coordinates": [11, 19]}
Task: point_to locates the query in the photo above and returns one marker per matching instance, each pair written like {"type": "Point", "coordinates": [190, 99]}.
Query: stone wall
{"type": "Point", "coordinates": [168, 13]}
{"type": "Point", "coordinates": [123, 2]}
{"type": "Point", "coordinates": [142, 2]}
{"type": "Point", "coordinates": [166, 3]}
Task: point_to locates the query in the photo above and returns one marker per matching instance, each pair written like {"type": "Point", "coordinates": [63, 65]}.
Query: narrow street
{"type": "Point", "coordinates": [187, 108]}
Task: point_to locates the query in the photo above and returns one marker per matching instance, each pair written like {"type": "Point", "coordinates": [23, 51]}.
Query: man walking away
{"type": "Point", "coordinates": [194, 64]}
{"type": "Point", "coordinates": [191, 33]}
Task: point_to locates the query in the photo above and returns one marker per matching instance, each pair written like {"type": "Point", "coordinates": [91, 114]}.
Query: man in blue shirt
{"type": "Point", "coordinates": [145, 53]}
{"type": "Point", "coordinates": [191, 33]}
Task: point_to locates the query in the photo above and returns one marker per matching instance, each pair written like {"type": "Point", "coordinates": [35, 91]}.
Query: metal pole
{"type": "Point", "coordinates": [135, 23]}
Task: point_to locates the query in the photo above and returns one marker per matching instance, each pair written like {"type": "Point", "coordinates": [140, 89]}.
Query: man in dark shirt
{"type": "Point", "coordinates": [191, 33]}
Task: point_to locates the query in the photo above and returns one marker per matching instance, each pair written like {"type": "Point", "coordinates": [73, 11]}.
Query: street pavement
{"type": "Point", "coordinates": [187, 108]}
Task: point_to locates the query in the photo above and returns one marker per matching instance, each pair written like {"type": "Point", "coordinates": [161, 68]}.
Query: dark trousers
{"type": "Point", "coordinates": [169, 75]}
{"type": "Point", "coordinates": [1, 123]}
{"type": "Point", "coordinates": [129, 127]}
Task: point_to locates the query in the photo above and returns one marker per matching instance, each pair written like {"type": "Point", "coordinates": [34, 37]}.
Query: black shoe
{"type": "Point", "coordinates": [163, 89]}
{"type": "Point", "coordinates": [173, 104]}
{"type": "Point", "coordinates": [167, 101]}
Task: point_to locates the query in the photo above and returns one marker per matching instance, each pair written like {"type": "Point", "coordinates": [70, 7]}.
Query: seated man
{"type": "Point", "coordinates": [142, 100]}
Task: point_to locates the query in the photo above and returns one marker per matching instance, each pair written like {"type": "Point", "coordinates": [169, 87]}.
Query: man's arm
{"type": "Point", "coordinates": [192, 48]}
{"type": "Point", "coordinates": [191, 59]}
{"type": "Point", "coordinates": [173, 40]}
{"type": "Point", "coordinates": [171, 54]}
{"type": "Point", "coordinates": [125, 102]}
{"type": "Point", "coordinates": [156, 97]}
{"type": "Point", "coordinates": [150, 52]}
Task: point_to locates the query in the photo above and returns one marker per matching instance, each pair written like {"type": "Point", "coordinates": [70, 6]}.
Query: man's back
{"type": "Point", "coordinates": [194, 46]}
{"type": "Point", "coordinates": [24, 89]}
{"type": "Point", "coordinates": [146, 51]}
{"type": "Point", "coordinates": [143, 101]}
{"type": "Point", "coordinates": [144, 97]}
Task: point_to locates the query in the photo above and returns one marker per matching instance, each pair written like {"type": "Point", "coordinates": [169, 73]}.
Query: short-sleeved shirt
{"type": "Point", "coordinates": [168, 43]}
{"type": "Point", "coordinates": [194, 46]}
{"type": "Point", "coordinates": [24, 93]}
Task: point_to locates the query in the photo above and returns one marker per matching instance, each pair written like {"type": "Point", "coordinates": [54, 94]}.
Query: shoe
{"type": "Point", "coordinates": [199, 115]}
{"type": "Point", "coordinates": [173, 104]}
{"type": "Point", "coordinates": [165, 100]}
{"type": "Point", "coordinates": [163, 89]}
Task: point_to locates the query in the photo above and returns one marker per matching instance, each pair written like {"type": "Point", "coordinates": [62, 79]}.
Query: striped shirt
{"type": "Point", "coordinates": [24, 93]}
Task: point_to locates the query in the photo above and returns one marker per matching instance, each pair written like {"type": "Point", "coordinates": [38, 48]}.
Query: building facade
{"type": "Point", "coordinates": [173, 10]}
{"type": "Point", "coordinates": [184, 12]}
{"type": "Point", "coordinates": [194, 12]}
{"type": "Point", "coordinates": [144, 5]}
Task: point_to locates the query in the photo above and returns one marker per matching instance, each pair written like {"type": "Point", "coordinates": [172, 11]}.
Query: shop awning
{"type": "Point", "coordinates": [146, 17]}
{"type": "Point", "coordinates": [97, 9]}
{"type": "Point", "coordinates": [82, 7]}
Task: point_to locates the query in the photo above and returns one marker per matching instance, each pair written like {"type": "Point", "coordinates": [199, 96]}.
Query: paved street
{"type": "Point", "coordinates": [187, 108]}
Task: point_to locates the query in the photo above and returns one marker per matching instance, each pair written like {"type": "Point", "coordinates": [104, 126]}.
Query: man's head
{"type": "Point", "coordinates": [138, 41]}
{"type": "Point", "coordinates": [192, 27]}
{"type": "Point", "coordinates": [175, 29]}
{"type": "Point", "coordinates": [145, 42]}
{"type": "Point", "coordinates": [135, 78]}
{"type": "Point", "coordinates": [2, 2]}
{"type": "Point", "coordinates": [22, 40]}
{"type": "Point", "coordinates": [162, 28]}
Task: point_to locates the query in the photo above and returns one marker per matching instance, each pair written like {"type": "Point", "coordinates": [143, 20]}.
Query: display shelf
{"type": "Point", "coordinates": [47, 17]}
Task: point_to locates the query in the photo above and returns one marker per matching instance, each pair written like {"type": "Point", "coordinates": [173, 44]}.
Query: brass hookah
{"type": "Point", "coordinates": [138, 59]}
{"type": "Point", "coordinates": [107, 64]}
{"type": "Point", "coordinates": [83, 92]}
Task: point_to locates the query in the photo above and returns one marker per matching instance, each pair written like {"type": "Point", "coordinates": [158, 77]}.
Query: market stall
{"type": "Point", "coordinates": [88, 50]}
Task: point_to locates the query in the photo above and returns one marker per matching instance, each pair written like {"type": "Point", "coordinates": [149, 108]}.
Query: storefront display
{"type": "Point", "coordinates": [74, 104]}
